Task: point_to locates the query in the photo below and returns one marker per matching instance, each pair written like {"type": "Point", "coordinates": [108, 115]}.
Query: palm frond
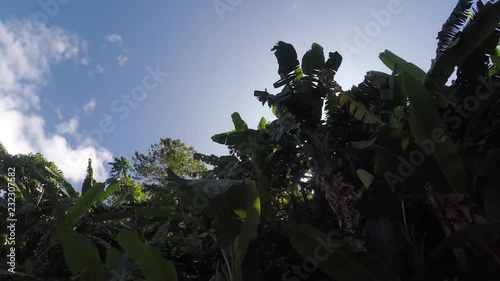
{"type": "Point", "coordinates": [287, 58]}
{"type": "Point", "coordinates": [453, 25]}
{"type": "Point", "coordinates": [485, 23]}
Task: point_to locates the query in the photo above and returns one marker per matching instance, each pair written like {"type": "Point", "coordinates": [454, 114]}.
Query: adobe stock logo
{"type": "Point", "coordinates": [310, 264]}
{"type": "Point", "coordinates": [224, 6]}
{"type": "Point", "coordinates": [454, 117]}
{"type": "Point", "coordinates": [364, 36]}
{"type": "Point", "coordinates": [50, 9]}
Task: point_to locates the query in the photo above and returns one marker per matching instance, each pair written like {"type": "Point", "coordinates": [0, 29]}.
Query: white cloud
{"type": "Point", "coordinates": [90, 106]}
{"type": "Point", "coordinates": [26, 55]}
{"type": "Point", "coordinates": [99, 68]}
{"type": "Point", "coordinates": [68, 127]}
{"type": "Point", "coordinates": [122, 60]}
{"type": "Point", "coordinates": [112, 38]}
{"type": "Point", "coordinates": [85, 60]}
{"type": "Point", "coordinates": [59, 113]}
{"type": "Point", "coordinates": [84, 46]}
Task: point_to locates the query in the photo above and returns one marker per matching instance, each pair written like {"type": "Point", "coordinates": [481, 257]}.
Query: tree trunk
{"type": "Point", "coordinates": [341, 197]}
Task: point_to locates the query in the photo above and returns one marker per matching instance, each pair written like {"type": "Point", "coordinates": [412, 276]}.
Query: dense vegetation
{"type": "Point", "coordinates": [394, 179]}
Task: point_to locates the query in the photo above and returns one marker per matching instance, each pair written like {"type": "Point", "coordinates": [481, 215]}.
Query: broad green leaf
{"type": "Point", "coordinates": [389, 145]}
{"type": "Point", "coordinates": [112, 254]}
{"type": "Point", "coordinates": [363, 144]}
{"type": "Point", "coordinates": [391, 60]}
{"type": "Point", "coordinates": [28, 266]}
{"type": "Point", "coordinates": [332, 104]}
{"type": "Point", "coordinates": [208, 159]}
{"type": "Point", "coordinates": [81, 255]}
{"type": "Point", "coordinates": [84, 203]}
{"type": "Point", "coordinates": [109, 191]}
{"type": "Point", "coordinates": [494, 70]}
{"type": "Point", "coordinates": [240, 213]}
{"type": "Point", "coordinates": [365, 177]}
{"type": "Point", "coordinates": [399, 95]}
{"type": "Point", "coordinates": [227, 225]}
{"type": "Point", "coordinates": [239, 124]}
{"type": "Point", "coordinates": [248, 228]}
{"type": "Point", "coordinates": [67, 186]}
{"type": "Point", "coordinates": [379, 78]}
{"type": "Point", "coordinates": [262, 187]}
{"type": "Point", "coordinates": [147, 259]}
{"type": "Point", "coordinates": [485, 23]}
{"type": "Point", "coordinates": [314, 59]}
{"type": "Point", "coordinates": [359, 111]}
{"type": "Point", "coordinates": [120, 200]}
{"type": "Point", "coordinates": [172, 176]}
{"type": "Point", "coordinates": [234, 137]}
{"type": "Point", "coordinates": [427, 125]}
{"type": "Point", "coordinates": [53, 195]}
{"type": "Point", "coordinates": [262, 124]}
{"type": "Point", "coordinates": [337, 259]}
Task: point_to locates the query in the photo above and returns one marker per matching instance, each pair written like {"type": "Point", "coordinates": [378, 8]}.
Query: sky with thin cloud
{"type": "Point", "coordinates": [97, 79]}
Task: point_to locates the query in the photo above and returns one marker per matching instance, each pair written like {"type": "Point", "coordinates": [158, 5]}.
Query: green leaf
{"type": "Point", "coordinates": [363, 144]}
{"type": "Point", "coordinates": [239, 124]}
{"type": "Point", "coordinates": [391, 60]}
{"type": "Point", "coordinates": [109, 191]}
{"type": "Point", "coordinates": [234, 137]}
{"type": "Point", "coordinates": [53, 195]}
{"type": "Point", "coordinates": [120, 200]}
{"type": "Point", "coordinates": [240, 213]}
{"type": "Point", "coordinates": [208, 159]}
{"type": "Point", "coordinates": [148, 259]}
{"type": "Point", "coordinates": [485, 23]}
{"type": "Point", "coordinates": [314, 59]}
{"type": "Point", "coordinates": [84, 203]}
{"type": "Point", "coordinates": [365, 177]}
{"type": "Point", "coordinates": [332, 105]}
{"type": "Point", "coordinates": [337, 259]}
{"type": "Point", "coordinates": [227, 226]}
{"type": "Point", "coordinates": [359, 111]}
{"type": "Point", "coordinates": [248, 228]}
{"type": "Point", "coordinates": [390, 143]}
{"type": "Point", "coordinates": [262, 124]}
{"type": "Point", "coordinates": [67, 186]}
{"type": "Point", "coordinates": [399, 95]}
{"type": "Point", "coordinates": [262, 187]}
{"type": "Point", "coordinates": [379, 78]}
{"type": "Point", "coordinates": [112, 255]}
{"type": "Point", "coordinates": [81, 255]}
{"type": "Point", "coordinates": [426, 124]}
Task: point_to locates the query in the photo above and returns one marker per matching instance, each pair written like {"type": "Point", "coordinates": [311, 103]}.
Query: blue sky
{"type": "Point", "coordinates": [65, 66]}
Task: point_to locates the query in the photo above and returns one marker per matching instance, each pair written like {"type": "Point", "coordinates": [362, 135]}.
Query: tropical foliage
{"type": "Point", "coordinates": [393, 179]}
